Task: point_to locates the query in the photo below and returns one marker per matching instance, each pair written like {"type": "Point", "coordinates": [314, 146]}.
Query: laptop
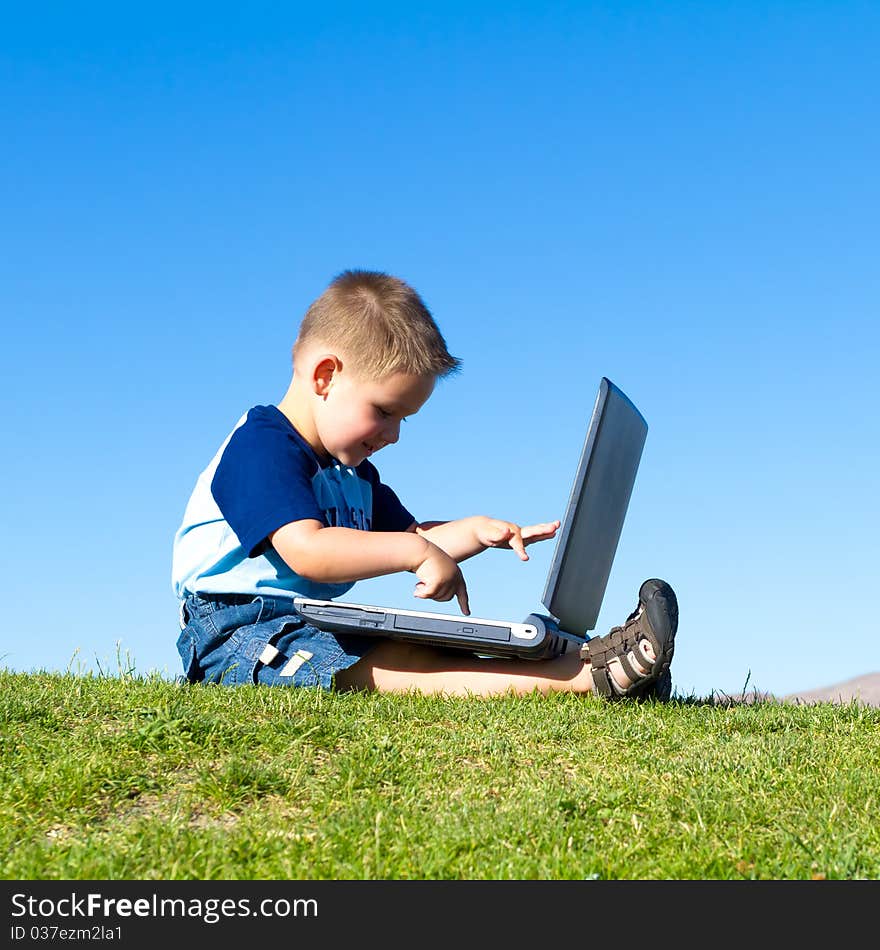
{"type": "Point", "coordinates": [586, 543]}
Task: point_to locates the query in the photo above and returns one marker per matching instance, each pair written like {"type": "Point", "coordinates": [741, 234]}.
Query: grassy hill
{"type": "Point", "coordinates": [130, 777]}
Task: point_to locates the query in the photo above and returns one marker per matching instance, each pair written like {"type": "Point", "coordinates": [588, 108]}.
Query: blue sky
{"type": "Point", "coordinates": [682, 197]}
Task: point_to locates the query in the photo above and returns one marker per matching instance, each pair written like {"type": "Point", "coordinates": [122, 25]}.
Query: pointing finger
{"type": "Point", "coordinates": [462, 596]}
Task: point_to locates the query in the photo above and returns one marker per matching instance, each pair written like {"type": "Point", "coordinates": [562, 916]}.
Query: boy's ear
{"type": "Point", "coordinates": [326, 370]}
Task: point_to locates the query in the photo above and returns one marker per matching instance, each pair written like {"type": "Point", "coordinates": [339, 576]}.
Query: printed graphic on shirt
{"type": "Point", "coordinates": [344, 497]}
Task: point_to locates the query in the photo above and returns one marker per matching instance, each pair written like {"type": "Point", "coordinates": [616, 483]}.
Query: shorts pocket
{"type": "Point", "coordinates": [224, 620]}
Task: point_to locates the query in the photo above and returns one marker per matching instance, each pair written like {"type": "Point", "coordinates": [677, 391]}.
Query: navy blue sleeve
{"type": "Point", "coordinates": [264, 480]}
{"type": "Point", "coordinates": [389, 513]}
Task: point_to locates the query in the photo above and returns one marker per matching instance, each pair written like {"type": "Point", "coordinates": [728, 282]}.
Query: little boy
{"type": "Point", "coordinates": [291, 506]}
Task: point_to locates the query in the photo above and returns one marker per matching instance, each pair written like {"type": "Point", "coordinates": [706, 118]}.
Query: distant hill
{"type": "Point", "coordinates": [865, 689]}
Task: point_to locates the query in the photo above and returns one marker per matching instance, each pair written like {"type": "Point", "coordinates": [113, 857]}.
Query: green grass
{"type": "Point", "coordinates": [133, 777]}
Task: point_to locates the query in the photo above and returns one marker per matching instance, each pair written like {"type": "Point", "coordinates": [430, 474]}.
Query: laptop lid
{"type": "Point", "coordinates": [590, 530]}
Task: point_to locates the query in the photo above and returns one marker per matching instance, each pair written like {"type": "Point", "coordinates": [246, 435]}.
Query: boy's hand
{"type": "Point", "coordinates": [440, 578]}
{"type": "Point", "coordinates": [492, 533]}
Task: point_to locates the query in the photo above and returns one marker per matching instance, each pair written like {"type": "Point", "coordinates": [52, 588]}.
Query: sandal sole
{"type": "Point", "coordinates": [661, 609]}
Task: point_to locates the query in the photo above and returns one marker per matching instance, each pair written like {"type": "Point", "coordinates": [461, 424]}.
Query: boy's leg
{"type": "Point", "coordinates": [396, 667]}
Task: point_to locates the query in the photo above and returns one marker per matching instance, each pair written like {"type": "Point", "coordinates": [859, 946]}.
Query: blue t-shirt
{"type": "Point", "coordinates": [263, 476]}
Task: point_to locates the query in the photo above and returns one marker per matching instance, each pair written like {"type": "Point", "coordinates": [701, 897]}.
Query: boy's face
{"type": "Point", "coordinates": [358, 417]}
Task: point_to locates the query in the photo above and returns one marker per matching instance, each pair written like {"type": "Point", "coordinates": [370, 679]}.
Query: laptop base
{"type": "Point", "coordinates": [538, 637]}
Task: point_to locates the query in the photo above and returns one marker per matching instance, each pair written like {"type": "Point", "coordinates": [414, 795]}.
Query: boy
{"type": "Point", "coordinates": [290, 505]}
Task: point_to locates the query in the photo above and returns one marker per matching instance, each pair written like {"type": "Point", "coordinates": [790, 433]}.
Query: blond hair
{"type": "Point", "coordinates": [380, 323]}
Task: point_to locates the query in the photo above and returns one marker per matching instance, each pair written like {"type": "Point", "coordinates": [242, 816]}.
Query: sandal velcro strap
{"type": "Point", "coordinates": [631, 670]}
{"type": "Point", "coordinates": [603, 683]}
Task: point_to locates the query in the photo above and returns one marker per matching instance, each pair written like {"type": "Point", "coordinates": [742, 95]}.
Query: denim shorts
{"type": "Point", "coordinates": [235, 639]}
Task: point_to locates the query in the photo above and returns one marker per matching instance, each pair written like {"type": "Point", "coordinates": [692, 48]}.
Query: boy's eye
{"type": "Point", "coordinates": [386, 414]}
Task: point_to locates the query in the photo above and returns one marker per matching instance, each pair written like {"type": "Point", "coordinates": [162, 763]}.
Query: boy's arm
{"type": "Point", "coordinates": [337, 555]}
{"type": "Point", "coordinates": [469, 536]}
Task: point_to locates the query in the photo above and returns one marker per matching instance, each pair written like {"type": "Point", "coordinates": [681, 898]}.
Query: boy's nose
{"type": "Point", "coordinates": [392, 434]}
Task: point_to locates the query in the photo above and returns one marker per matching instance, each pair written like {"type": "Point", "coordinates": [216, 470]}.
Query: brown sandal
{"type": "Point", "coordinates": [655, 621]}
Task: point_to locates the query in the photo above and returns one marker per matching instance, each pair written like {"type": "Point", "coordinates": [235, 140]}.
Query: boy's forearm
{"type": "Point", "coordinates": [339, 555]}
{"type": "Point", "coordinates": [457, 538]}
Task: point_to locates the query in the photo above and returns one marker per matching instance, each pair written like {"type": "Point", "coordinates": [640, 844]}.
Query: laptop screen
{"type": "Point", "coordinates": [587, 539]}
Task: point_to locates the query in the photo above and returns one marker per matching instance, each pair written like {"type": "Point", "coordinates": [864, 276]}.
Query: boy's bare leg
{"type": "Point", "coordinates": [397, 667]}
